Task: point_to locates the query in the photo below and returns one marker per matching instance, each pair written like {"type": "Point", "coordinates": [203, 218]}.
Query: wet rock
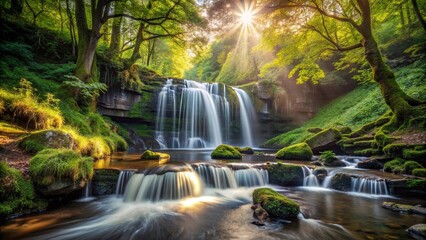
{"type": "Point", "coordinates": [370, 164]}
{"type": "Point", "coordinates": [320, 171]}
{"type": "Point", "coordinates": [47, 139]}
{"type": "Point", "coordinates": [404, 208]}
{"type": "Point", "coordinates": [285, 174]}
{"type": "Point", "coordinates": [260, 214]}
{"type": "Point", "coordinates": [275, 204]}
{"type": "Point", "coordinates": [226, 152]}
{"type": "Point", "coordinates": [104, 181]}
{"type": "Point", "coordinates": [407, 187]}
{"type": "Point", "coordinates": [335, 163]}
{"type": "Point", "coordinates": [342, 182]}
{"type": "Point", "coordinates": [324, 140]}
{"type": "Point", "coordinates": [418, 231]}
{"type": "Point", "coordinates": [300, 151]}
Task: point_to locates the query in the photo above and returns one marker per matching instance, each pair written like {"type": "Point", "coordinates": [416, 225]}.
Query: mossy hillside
{"type": "Point", "coordinates": [300, 151]}
{"type": "Point", "coordinates": [54, 165]}
{"type": "Point", "coordinates": [285, 174]}
{"type": "Point", "coordinates": [419, 172]}
{"type": "Point", "coordinates": [323, 138]}
{"type": "Point", "coordinates": [357, 108]}
{"type": "Point", "coordinates": [276, 204]}
{"type": "Point", "coordinates": [225, 151]}
{"type": "Point", "coordinates": [16, 193]}
{"type": "Point", "coordinates": [395, 165]}
{"type": "Point", "coordinates": [409, 166]}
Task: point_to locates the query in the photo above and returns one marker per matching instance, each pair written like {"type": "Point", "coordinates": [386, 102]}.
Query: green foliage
{"type": "Point", "coordinates": [276, 204]}
{"type": "Point", "coordinates": [409, 166]}
{"type": "Point", "coordinates": [328, 157]}
{"type": "Point", "coordinates": [285, 174]}
{"type": "Point", "coordinates": [414, 154]}
{"type": "Point", "coordinates": [300, 151]}
{"type": "Point", "coordinates": [382, 139]}
{"type": "Point", "coordinates": [40, 140]}
{"type": "Point", "coordinates": [226, 152]}
{"type": "Point", "coordinates": [419, 172]}
{"type": "Point", "coordinates": [395, 149]}
{"type": "Point", "coordinates": [16, 193]}
{"type": "Point", "coordinates": [359, 107]}
{"type": "Point", "coordinates": [394, 165]}
{"type": "Point", "coordinates": [417, 184]}
{"type": "Point", "coordinates": [85, 92]}
{"type": "Point", "coordinates": [52, 165]}
{"type": "Point", "coordinates": [367, 152]}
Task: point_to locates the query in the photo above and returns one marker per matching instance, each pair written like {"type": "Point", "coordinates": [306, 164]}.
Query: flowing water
{"type": "Point", "coordinates": [199, 115]}
{"type": "Point", "coordinates": [212, 200]}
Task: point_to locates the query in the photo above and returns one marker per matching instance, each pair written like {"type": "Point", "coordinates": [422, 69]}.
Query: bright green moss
{"type": "Point", "coordinates": [419, 172]}
{"type": "Point", "coordinates": [409, 166]}
{"type": "Point", "coordinates": [150, 155]}
{"type": "Point", "coordinates": [244, 150]}
{"type": "Point", "coordinates": [276, 204]}
{"type": "Point", "coordinates": [394, 165]}
{"type": "Point", "coordinates": [300, 151]}
{"type": "Point", "coordinates": [285, 174]}
{"type": "Point", "coordinates": [226, 152]}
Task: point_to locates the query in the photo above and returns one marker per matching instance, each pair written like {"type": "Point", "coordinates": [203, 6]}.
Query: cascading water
{"type": "Point", "coordinates": [309, 179]}
{"type": "Point", "coordinates": [216, 177]}
{"type": "Point", "coordinates": [369, 186]}
{"type": "Point", "coordinates": [251, 177]}
{"type": "Point", "coordinates": [198, 115]}
{"type": "Point", "coordinates": [247, 113]}
{"type": "Point", "coordinates": [123, 178]}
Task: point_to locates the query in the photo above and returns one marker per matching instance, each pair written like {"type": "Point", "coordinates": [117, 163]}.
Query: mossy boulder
{"type": "Point", "coordinates": [324, 140]}
{"type": "Point", "coordinates": [225, 151]}
{"type": "Point", "coordinates": [418, 231]}
{"type": "Point", "coordinates": [104, 181]}
{"type": "Point", "coordinates": [408, 187]}
{"type": "Point", "coordinates": [398, 207]}
{"type": "Point", "coordinates": [300, 151]}
{"type": "Point", "coordinates": [60, 171]}
{"type": "Point", "coordinates": [276, 204]}
{"type": "Point", "coordinates": [342, 182]}
{"type": "Point", "coordinates": [344, 129]}
{"type": "Point", "coordinates": [285, 174]}
{"type": "Point", "coordinates": [409, 166]}
{"type": "Point", "coordinates": [314, 130]}
{"type": "Point", "coordinates": [16, 193]}
{"type": "Point", "coordinates": [150, 155]}
{"type": "Point", "coordinates": [245, 150]}
{"type": "Point", "coordinates": [419, 172]}
{"type": "Point", "coordinates": [38, 141]}
{"type": "Point", "coordinates": [415, 154]}
{"type": "Point", "coordinates": [395, 165]}
{"type": "Point", "coordinates": [329, 159]}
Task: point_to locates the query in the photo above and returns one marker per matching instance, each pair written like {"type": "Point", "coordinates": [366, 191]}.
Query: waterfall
{"type": "Point", "coordinates": [123, 178]}
{"type": "Point", "coordinates": [369, 186]}
{"type": "Point", "coordinates": [251, 177]}
{"type": "Point", "coordinates": [198, 115]}
{"type": "Point", "coordinates": [167, 186]}
{"type": "Point", "coordinates": [309, 179]}
{"type": "Point", "coordinates": [166, 98]}
{"type": "Point", "coordinates": [216, 177]}
{"type": "Point", "coordinates": [224, 177]}
{"type": "Point", "coordinates": [247, 113]}
{"type": "Point", "coordinates": [88, 189]}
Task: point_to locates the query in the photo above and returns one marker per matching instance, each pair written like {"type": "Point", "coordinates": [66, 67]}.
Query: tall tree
{"type": "Point", "coordinates": [357, 14]}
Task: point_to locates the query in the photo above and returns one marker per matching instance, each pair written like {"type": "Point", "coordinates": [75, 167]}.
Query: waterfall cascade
{"type": "Point", "coordinates": [123, 178]}
{"type": "Point", "coordinates": [370, 186]}
{"type": "Point", "coordinates": [199, 115]}
{"type": "Point", "coordinates": [170, 183]}
{"type": "Point", "coordinates": [309, 179]}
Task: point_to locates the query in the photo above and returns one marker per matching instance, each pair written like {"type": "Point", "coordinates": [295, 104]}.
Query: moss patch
{"type": "Point", "coordinates": [276, 204]}
{"type": "Point", "coordinates": [47, 139]}
{"type": "Point", "coordinates": [323, 138]}
{"type": "Point", "coordinates": [419, 172]}
{"type": "Point", "coordinates": [394, 165]}
{"type": "Point", "coordinates": [244, 150]}
{"type": "Point", "coordinates": [285, 174]}
{"type": "Point", "coordinates": [226, 152]}
{"type": "Point", "coordinates": [50, 166]}
{"type": "Point", "coordinates": [300, 151]}
{"type": "Point", "coordinates": [16, 193]}
{"type": "Point", "coordinates": [409, 166]}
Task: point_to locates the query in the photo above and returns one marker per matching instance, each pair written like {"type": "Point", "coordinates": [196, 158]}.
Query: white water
{"type": "Point", "coordinates": [369, 186]}
{"type": "Point", "coordinates": [247, 113]}
{"type": "Point", "coordinates": [123, 178]}
{"type": "Point", "coordinates": [198, 115]}
{"type": "Point", "coordinates": [309, 179]}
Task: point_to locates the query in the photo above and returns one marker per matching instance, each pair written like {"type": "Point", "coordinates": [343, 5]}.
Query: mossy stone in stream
{"type": "Point", "coordinates": [225, 151]}
{"type": "Point", "coordinates": [285, 174]}
{"type": "Point", "coordinates": [276, 204]}
{"type": "Point", "coordinates": [300, 151]}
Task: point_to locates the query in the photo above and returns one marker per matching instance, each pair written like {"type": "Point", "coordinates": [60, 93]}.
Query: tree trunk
{"type": "Point", "coordinates": [418, 14]}
{"type": "Point", "coordinates": [16, 7]}
{"type": "Point", "coordinates": [135, 54]}
{"type": "Point", "coordinates": [115, 42]}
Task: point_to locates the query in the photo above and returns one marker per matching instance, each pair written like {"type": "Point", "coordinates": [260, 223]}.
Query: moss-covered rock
{"type": "Point", "coordinates": [245, 150]}
{"type": "Point", "coordinates": [415, 154]}
{"type": "Point", "coordinates": [397, 207]}
{"type": "Point", "coordinates": [419, 172]}
{"type": "Point", "coordinates": [104, 181]}
{"type": "Point", "coordinates": [324, 140]}
{"type": "Point", "coordinates": [408, 187]}
{"type": "Point", "coordinates": [150, 155]}
{"type": "Point", "coordinates": [38, 141]}
{"type": "Point", "coordinates": [342, 182]}
{"type": "Point", "coordinates": [344, 129]}
{"type": "Point", "coordinates": [225, 151]}
{"type": "Point", "coordinates": [409, 166]}
{"type": "Point", "coordinates": [394, 165]}
{"type": "Point", "coordinates": [370, 164]}
{"type": "Point", "coordinates": [60, 171]}
{"type": "Point", "coordinates": [367, 152]}
{"type": "Point", "coordinates": [395, 149]}
{"type": "Point", "coordinates": [300, 151]}
{"type": "Point", "coordinates": [285, 174]}
{"type": "Point", "coordinates": [314, 130]}
{"type": "Point", "coordinates": [16, 194]}
{"type": "Point", "coordinates": [276, 204]}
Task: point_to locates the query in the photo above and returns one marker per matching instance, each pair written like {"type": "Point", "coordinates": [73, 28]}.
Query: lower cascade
{"type": "Point", "coordinates": [171, 183]}
{"type": "Point", "coordinates": [370, 186]}
{"type": "Point", "coordinates": [123, 178]}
